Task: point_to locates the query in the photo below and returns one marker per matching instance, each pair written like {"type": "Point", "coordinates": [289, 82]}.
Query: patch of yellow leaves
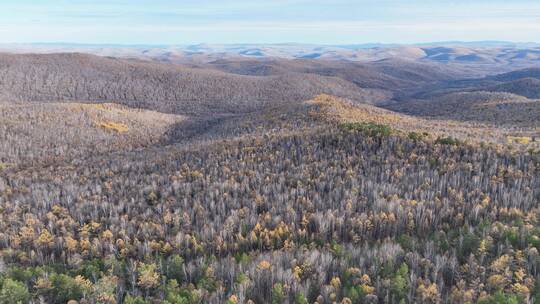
{"type": "Point", "coordinates": [519, 140]}
{"type": "Point", "coordinates": [337, 109]}
{"type": "Point", "coordinates": [264, 265]}
{"type": "Point", "coordinates": [4, 166]}
{"type": "Point", "coordinates": [114, 126]}
{"type": "Point", "coordinates": [45, 238]}
{"type": "Point", "coordinates": [100, 106]}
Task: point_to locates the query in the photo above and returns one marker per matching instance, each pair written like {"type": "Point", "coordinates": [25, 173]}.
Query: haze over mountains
{"type": "Point", "coordinates": [503, 55]}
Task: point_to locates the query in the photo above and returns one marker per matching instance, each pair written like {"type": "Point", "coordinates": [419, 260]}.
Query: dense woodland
{"type": "Point", "coordinates": [350, 215]}
{"type": "Point", "coordinates": [167, 88]}
{"type": "Point", "coordinates": [302, 200]}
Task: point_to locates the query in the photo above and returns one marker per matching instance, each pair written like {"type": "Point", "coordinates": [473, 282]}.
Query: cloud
{"type": "Point", "coordinates": [316, 21]}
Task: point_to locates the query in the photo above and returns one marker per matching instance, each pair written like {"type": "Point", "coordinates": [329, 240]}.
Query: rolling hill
{"type": "Point", "coordinates": [528, 87]}
{"type": "Point", "coordinates": [156, 86]}
{"type": "Point", "coordinates": [250, 179]}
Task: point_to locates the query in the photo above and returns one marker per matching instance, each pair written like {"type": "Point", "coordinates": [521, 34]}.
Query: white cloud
{"type": "Point", "coordinates": [392, 21]}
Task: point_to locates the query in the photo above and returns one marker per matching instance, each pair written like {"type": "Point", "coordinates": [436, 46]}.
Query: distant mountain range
{"type": "Point", "coordinates": [500, 55]}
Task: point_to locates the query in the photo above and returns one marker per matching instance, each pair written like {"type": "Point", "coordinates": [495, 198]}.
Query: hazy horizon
{"type": "Point", "coordinates": [285, 43]}
{"type": "Point", "coordinates": [338, 22]}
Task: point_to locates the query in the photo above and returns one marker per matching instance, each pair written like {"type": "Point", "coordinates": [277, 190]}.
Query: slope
{"type": "Point", "coordinates": [167, 88]}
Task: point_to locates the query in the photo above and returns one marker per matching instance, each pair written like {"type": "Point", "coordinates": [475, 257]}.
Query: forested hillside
{"type": "Point", "coordinates": [155, 86]}
{"type": "Point", "coordinates": [352, 215]}
{"type": "Point", "coordinates": [123, 181]}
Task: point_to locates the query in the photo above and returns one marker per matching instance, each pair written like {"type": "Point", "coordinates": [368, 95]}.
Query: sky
{"type": "Point", "coordinates": [182, 22]}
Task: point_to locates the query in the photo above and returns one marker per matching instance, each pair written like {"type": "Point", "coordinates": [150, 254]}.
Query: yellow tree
{"type": "Point", "coordinates": [148, 276]}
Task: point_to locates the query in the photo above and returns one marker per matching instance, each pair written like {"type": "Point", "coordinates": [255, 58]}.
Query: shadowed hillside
{"type": "Point", "coordinates": [167, 88]}
{"type": "Point", "coordinates": [528, 87]}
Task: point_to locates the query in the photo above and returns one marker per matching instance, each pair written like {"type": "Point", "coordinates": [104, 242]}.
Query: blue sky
{"type": "Point", "coordinates": [267, 21]}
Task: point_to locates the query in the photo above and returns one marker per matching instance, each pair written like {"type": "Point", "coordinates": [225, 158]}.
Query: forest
{"type": "Point", "coordinates": [351, 214]}
{"type": "Point", "coordinates": [134, 182]}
